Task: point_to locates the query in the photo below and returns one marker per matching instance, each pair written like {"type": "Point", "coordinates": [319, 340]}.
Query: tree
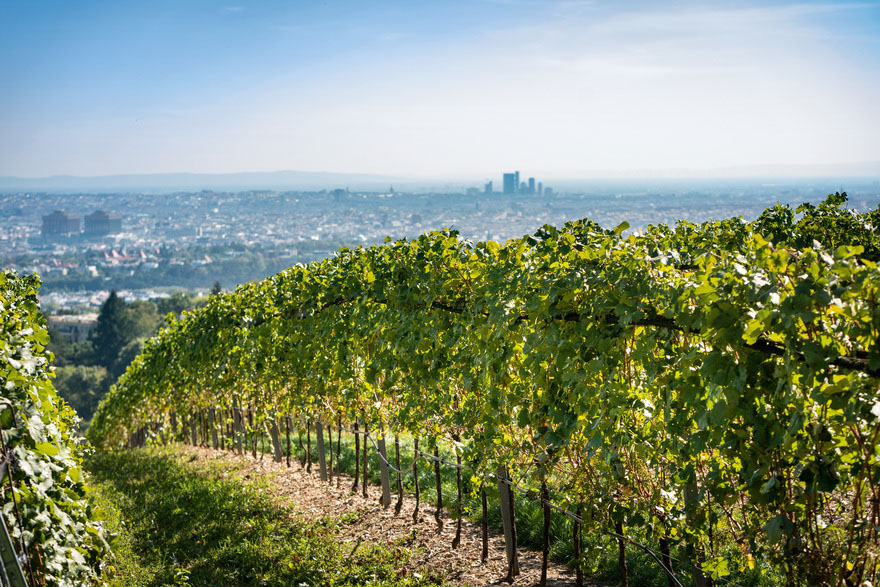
{"type": "Point", "coordinates": [113, 330]}
{"type": "Point", "coordinates": [216, 289]}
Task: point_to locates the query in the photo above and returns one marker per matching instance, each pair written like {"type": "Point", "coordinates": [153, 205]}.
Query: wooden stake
{"type": "Point", "coordinates": [576, 537]}
{"type": "Point", "coordinates": [364, 465]}
{"type": "Point", "coordinates": [416, 480]}
{"type": "Point", "coordinates": [322, 457]}
{"type": "Point", "coordinates": [384, 472]}
{"type": "Point", "coordinates": [287, 436]}
{"type": "Point", "coordinates": [621, 556]}
{"type": "Point", "coordinates": [545, 554]}
{"type": "Point", "coordinates": [438, 512]}
{"type": "Point", "coordinates": [276, 437]}
{"type": "Point", "coordinates": [357, 456]}
{"type": "Point", "coordinates": [457, 540]}
{"type": "Point", "coordinates": [308, 446]}
{"type": "Point", "coordinates": [399, 504]}
{"type": "Point", "coordinates": [508, 520]}
{"type": "Point", "coordinates": [484, 523]}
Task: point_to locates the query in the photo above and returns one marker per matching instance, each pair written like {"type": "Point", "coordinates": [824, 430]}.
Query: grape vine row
{"type": "Point", "coordinates": [701, 385]}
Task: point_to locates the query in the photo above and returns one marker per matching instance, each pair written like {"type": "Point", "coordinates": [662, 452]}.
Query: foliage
{"type": "Point", "coordinates": [201, 524]}
{"type": "Point", "coordinates": [44, 506]}
{"type": "Point", "coordinates": [710, 385]}
{"type": "Point", "coordinates": [112, 330]}
{"type": "Point", "coordinates": [82, 387]}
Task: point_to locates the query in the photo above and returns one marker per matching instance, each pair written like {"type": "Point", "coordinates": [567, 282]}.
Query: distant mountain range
{"type": "Point", "coordinates": [165, 182]}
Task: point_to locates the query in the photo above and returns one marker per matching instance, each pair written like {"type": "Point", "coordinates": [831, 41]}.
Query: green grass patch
{"type": "Point", "coordinates": [182, 522]}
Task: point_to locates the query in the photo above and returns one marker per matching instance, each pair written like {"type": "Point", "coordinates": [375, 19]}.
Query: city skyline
{"type": "Point", "coordinates": [569, 89]}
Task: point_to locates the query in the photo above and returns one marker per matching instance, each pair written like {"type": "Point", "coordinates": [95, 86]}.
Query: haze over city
{"type": "Point", "coordinates": [447, 91]}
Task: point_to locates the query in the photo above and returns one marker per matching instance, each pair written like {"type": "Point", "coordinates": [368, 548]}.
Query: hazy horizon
{"type": "Point", "coordinates": [558, 89]}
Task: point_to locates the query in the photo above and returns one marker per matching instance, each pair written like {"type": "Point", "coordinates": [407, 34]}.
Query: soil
{"type": "Point", "coordinates": [365, 520]}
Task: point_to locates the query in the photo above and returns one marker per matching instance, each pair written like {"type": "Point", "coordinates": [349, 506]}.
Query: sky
{"type": "Point", "coordinates": [445, 89]}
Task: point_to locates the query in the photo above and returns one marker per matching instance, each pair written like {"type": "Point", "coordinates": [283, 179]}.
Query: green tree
{"type": "Point", "coordinates": [113, 330]}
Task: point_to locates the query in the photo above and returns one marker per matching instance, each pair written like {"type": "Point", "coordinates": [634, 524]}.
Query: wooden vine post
{"type": "Point", "coordinates": [236, 425]}
{"type": "Point", "coordinates": [545, 552]}
{"type": "Point", "coordinates": [357, 456]}
{"type": "Point", "coordinates": [364, 464]}
{"type": "Point", "coordinates": [415, 515]}
{"type": "Point", "coordinates": [275, 433]}
{"type": "Point", "coordinates": [399, 504]}
{"type": "Point", "coordinates": [437, 513]}
{"type": "Point", "coordinates": [508, 521]}
{"type": "Point", "coordinates": [322, 457]}
{"type": "Point", "coordinates": [384, 472]}
{"type": "Point", "coordinates": [212, 417]}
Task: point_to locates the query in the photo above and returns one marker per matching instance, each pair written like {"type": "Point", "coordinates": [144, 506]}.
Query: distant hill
{"type": "Point", "coordinates": [164, 182]}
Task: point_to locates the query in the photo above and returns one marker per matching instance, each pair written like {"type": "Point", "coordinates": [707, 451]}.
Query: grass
{"type": "Point", "coordinates": [179, 522]}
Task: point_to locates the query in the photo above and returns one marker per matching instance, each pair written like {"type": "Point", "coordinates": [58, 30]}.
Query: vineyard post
{"type": "Point", "coordinates": [213, 420]}
{"type": "Point", "coordinates": [399, 504]}
{"type": "Point", "coordinates": [330, 451]}
{"type": "Point", "coordinates": [253, 430]}
{"type": "Point", "coordinates": [322, 457]}
{"type": "Point", "coordinates": [457, 540]}
{"type": "Point", "coordinates": [383, 469]}
{"type": "Point", "coordinates": [437, 514]}
{"type": "Point", "coordinates": [507, 522]}
{"type": "Point", "coordinates": [194, 429]}
{"type": "Point", "coordinates": [484, 522]}
{"type": "Point", "coordinates": [364, 464]}
{"type": "Point", "coordinates": [357, 455]}
{"type": "Point", "coordinates": [576, 538]}
{"type": "Point", "coordinates": [415, 468]}
{"type": "Point", "coordinates": [276, 437]}
{"type": "Point", "coordinates": [545, 553]}
{"type": "Point", "coordinates": [236, 425]}
{"type": "Point", "coordinates": [308, 446]}
{"type": "Point", "coordinates": [287, 436]}
{"type": "Point", "coordinates": [621, 555]}
{"type": "Point", "coordinates": [339, 454]}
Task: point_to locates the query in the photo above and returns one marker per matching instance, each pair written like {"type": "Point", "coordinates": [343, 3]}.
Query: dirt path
{"type": "Point", "coordinates": [366, 520]}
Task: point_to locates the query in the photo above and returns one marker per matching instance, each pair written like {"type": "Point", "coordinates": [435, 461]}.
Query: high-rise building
{"type": "Point", "coordinates": [510, 184]}
{"type": "Point", "coordinates": [101, 223]}
{"type": "Point", "coordinates": [540, 188]}
{"type": "Point", "coordinates": [60, 222]}
{"type": "Point", "coordinates": [531, 185]}
{"type": "Point", "coordinates": [516, 182]}
{"type": "Point", "coordinates": [487, 189]}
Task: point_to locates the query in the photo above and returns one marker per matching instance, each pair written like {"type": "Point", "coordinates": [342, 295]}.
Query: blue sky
{"type": "Point", "coordinates": [435, 89]}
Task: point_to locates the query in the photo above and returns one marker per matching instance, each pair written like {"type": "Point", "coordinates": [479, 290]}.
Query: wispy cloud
{"type": "Point", "coordinates": [233, 8]}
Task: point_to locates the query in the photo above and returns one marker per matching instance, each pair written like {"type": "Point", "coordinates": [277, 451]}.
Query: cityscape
{"type": "Point", "coordinates": [149, 245]}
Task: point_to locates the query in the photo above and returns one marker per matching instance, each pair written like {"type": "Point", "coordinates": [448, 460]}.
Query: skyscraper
{"type": "Point", "coordinates": [488, 188]}
{"type": "Point", "coordinates": [516, 183]}
{"type": "Point", "coordinates": [510, 184]}
{"type": "Point", "coordinates": [531, 185]}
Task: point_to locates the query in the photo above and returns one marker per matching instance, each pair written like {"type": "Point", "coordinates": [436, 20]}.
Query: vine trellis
{"type": "Point", "coordinates": [699, 386]}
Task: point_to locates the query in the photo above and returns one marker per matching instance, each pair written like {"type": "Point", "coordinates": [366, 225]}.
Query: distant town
{"type": "Point", "coordinates": [147, 246]}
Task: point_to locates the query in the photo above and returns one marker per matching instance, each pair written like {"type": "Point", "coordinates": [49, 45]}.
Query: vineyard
{"type": "Point", "coordinates": [49, 534]}
{"type": "Point", "coordinates": [704, 393]}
